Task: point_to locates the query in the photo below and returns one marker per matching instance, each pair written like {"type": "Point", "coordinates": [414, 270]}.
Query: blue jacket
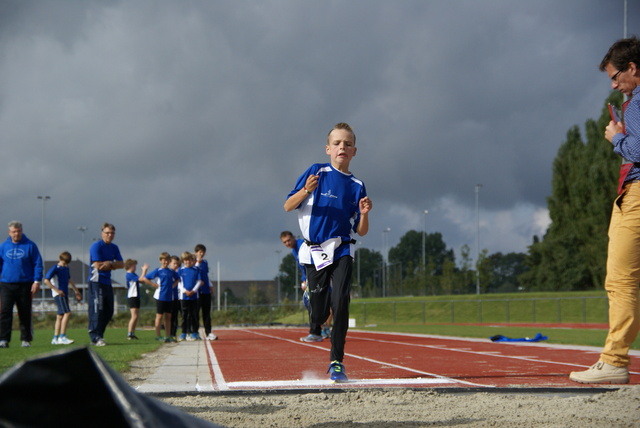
{"type": "Point", "coordinates": [20, 262]}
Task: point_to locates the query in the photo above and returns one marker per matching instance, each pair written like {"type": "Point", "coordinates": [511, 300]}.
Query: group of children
{"type": "Point", "coordinates": [182, 286]}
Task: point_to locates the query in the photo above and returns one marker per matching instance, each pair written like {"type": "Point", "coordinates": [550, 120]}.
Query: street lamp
{"type": "Point", "coordinates": [278, 273]}
{"type": "Point", "coordinates": [385, 259]}
{"type": "Point", "coordinates": [424, 242]}
{"type": "Point", "coordinates": [82, 230]}
{"type": "Point", "coordinates": [44, 199]}
{"type": "Point", "coordinates": [478, 186]}
{"type": "Point", "coordinates": [44, 258]}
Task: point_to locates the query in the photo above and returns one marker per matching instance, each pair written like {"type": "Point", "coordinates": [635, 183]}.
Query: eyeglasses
{"type": "Point", "coordinates": [614, 78]}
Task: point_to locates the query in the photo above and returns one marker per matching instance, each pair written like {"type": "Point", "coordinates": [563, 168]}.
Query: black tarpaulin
{"type": "Point", "coordinates": [76, 388]}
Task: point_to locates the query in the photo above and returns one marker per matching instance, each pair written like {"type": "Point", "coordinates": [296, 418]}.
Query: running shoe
{"type": "Point", "coordinates": [160, 338]}
{"type": "Point", "coordinates": [183, 336]}
{"type": "Point", "coordinates": [54, 341]}
{"type": "Point", "coordinates": [133, 337]}
{"type": "Point", "coordinates": [100, 342]}
{"type": "Point", "coordinates": [26, 344]}
{"type": "Point", "coordinates": [326, 333]}
{"type": "Point", "coordinates": [4, 344]}
{"type": "Point", "coordinates": [64, 340]}
{"type": "Point", "coordinates": [311, 338]}
{"type": "Point", "coordinates": [337, 372]}
{"type": "Point", "coordinates": [212, 336]}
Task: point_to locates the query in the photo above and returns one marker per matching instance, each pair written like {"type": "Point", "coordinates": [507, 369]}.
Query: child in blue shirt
{"type": "Point", "coordinates": [59, 280]}
{"type": "Point", "coordinates": [190, 282]}
{"type": "Point", "coordinates": [164, 280]}
{"type": "Point", "coordinates": [133, 294]}
{"type": "Point", "coordinates": [332, 204]}
{"type": "Point", "coordinates": [176, 311]}
{"type": "Point", "coordinates": [204, 292]}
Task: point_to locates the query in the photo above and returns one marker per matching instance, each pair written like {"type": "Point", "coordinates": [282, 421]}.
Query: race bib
{"type": "Point", "coordinates": [322, 254]}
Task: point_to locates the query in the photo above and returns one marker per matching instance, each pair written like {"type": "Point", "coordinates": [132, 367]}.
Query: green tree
{"type": "Point", "coordinates": [287, 273]}
{"type": "Point", "coordinates": [505, 269]}
{"type": "Point", "coordinates": [572, 254]}
{"type": "Point", "coordinates": [368, 263]}
{"type": "Point", "coordinates": [408, 253]}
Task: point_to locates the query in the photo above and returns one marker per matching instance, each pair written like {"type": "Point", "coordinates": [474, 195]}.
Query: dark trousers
{"type": "Point", "coordinates": [204, 307]}
{"type": "Point", "coordinates": [330, 289]}
{"type": "Point", "coordinates": [175, 316]}
{"type": "Point", "coordinates": [189, 316]}
{"type": "Point", "coordinates": [100, 309]}
{"type": "Point", "coordinates": [18, 294]}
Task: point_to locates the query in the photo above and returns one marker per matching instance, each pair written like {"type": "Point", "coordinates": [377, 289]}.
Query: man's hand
{"type": "Point", "coordinates": [612, 129]}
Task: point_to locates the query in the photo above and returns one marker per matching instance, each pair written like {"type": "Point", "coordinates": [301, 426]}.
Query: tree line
{"type": "Point", "coordinates": [571, 255]}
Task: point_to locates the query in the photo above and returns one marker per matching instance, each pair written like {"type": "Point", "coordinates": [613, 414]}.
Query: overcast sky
{"type": "Point", "coordinates": [186, 122]}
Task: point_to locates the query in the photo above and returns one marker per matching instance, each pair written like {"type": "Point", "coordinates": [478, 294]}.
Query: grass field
{"type": "Point", "coordinates": [118, 353]}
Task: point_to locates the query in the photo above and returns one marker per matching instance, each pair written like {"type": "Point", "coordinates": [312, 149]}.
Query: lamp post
{"type": "Point", "coordinates": [385, 259]}
{"type": "Point", "coordinates": [424, 242]}
{"type": "Point", "coordinates": [278, 272]}
{"type": "Point", "coordinates": [82, 230]}
{"type": "Point", "coordinates": [478, 186]}
{"type": "Point", "coordinates": [44, 199]}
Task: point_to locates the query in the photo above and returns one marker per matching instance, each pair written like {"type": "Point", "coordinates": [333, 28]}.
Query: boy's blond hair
{"type": "Point", "coordinates": [187, 256]}
{"type": "Point", "coordinates": [165, 256]}
{"type": "Point", "coordinates": [342, 125]}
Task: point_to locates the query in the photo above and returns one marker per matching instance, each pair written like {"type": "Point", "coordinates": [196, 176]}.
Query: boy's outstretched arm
{"type": "Point", "coordinates": [363, 225]}
{"type": "Point", "coordinates": [296, 199]}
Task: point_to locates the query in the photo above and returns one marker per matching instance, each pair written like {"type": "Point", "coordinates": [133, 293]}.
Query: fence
{"type": "Point", "coordinates": [563, 310]}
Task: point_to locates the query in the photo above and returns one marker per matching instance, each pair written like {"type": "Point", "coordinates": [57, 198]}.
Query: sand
{"type": "Point", "coordinates": [396, 407]}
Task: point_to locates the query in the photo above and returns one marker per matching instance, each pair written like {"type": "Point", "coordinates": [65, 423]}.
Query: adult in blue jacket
{"type": "Point", "coordinates": [105, 257]}
{"type": "Point", "coordinates": [20, 277]}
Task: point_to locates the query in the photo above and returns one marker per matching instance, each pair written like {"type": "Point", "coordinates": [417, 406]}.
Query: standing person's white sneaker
{"type": "Point", "coordinates": [212, 336]}
{"type": "Point", "coordinates": [601, 372]}
{"type": "Point", "coordinates": [64, 340]}
{"type": "Point", "coordinates": [26, 344]}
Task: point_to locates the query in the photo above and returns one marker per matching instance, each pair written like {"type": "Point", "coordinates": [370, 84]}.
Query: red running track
{"type": "Point", "coordinates": [275, 358]}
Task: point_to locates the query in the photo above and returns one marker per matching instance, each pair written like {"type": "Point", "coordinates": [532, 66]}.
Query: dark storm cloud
{"type": "Point", "coordinates": [189, 122]}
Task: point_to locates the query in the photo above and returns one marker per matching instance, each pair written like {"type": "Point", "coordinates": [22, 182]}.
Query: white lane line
{"type": "Point", "coordinates": [327, 382]}
{"type": "Point", "coordinates": [218, 379]}
{"type": "Point", "coordinates": [466, 351]}
{"type": "Point", "coordinates": [383, 363]}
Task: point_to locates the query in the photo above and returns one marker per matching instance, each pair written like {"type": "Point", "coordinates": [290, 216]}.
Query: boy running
{"type": "Point", "coordinates": [332, 204]}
